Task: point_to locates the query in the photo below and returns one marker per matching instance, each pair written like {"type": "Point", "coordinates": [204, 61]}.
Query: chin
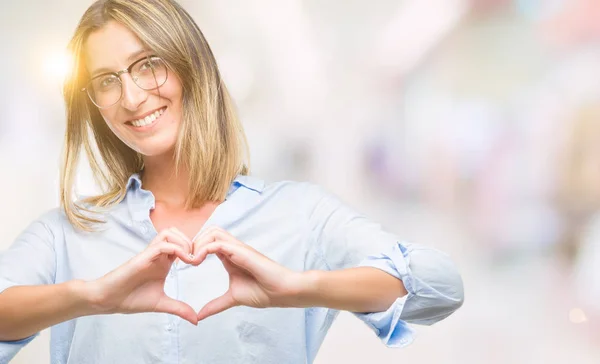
{"type": "Point", "coordinates": [155, 150]}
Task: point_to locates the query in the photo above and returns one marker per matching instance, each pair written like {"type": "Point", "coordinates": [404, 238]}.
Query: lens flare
{"type": "Point", "coordinates": [57, 66]}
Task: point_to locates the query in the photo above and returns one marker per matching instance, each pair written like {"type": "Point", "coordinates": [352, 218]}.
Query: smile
{"type": "Point", "coordinates": [147, 121]}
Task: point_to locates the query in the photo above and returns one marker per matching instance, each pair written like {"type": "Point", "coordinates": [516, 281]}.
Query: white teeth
{"type": "Point", "coordinates": [148, 119]}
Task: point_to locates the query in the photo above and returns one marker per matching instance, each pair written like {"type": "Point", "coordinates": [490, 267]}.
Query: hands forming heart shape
{"type": "Point", "coordinates": [138, 285]}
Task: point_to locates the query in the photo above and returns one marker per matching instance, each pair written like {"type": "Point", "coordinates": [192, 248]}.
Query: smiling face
{"type": "Point", "coordinates": [148, 121]}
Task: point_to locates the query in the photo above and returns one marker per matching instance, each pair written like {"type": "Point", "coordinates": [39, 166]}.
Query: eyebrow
{"type": "Point", "coordinates": [132, 57]}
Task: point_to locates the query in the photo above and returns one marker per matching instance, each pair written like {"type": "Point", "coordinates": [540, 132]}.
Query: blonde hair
{"type": "Point", "coordinates": [211, 142]}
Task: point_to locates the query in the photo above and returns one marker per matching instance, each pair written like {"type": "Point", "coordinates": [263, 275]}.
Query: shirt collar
{"type": "Point", "coordinates": [250, 182]}
{"type": "Point", "coordinates": [140, 201]}
{"type": "Point", "coordinates": [135, 182]}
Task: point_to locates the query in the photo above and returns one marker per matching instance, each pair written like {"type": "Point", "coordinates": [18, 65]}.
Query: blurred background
{"type": "Point", "coordinates": [469, 126]}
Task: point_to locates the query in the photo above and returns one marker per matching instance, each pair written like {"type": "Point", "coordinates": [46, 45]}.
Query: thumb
{"type": "Point", "coordinates": [216, 306]}
{"type": "Point", "coordinates": [178, 308]}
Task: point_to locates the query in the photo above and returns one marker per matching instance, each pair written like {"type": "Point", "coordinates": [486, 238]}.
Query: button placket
{"type": "Point", "coordinates": [171, 289]}
{"type": "Point", "coordinates": [146, 228]}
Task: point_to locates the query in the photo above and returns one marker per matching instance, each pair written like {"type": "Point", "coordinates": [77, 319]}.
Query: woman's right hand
{"type": "Point", "coordinates": [138, 285]}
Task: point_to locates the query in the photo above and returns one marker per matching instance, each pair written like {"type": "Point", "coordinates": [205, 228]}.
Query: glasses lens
{"type": "Point", "coordinates": [105, 90]}
{"type": "Point", "coordinates": [150, 73]}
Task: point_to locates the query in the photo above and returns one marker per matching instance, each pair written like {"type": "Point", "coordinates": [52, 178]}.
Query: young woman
{"type": "Point", "coordinates": [217, 266]}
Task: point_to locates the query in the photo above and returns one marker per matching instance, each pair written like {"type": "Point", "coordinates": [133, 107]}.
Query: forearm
{"type": "Point", "coordinates": [363, 289]}
{"type": "Point", "coordinates": [25, 310]}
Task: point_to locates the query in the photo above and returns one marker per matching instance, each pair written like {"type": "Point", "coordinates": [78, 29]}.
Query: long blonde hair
{"type": "Point", "coordinates": [211, 142]}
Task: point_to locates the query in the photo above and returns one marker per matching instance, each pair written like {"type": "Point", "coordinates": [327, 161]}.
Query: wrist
{"type": "Point", "coordinates": [79, 296]}
{"type": "Point", "coordinates": [308, 292]}
{"type": "Point", "coordinates": [89, 297]}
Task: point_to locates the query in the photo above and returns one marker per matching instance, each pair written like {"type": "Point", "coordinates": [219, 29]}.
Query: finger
{"type": "Point", "coordinates": [222, 234]}
{"type": "Point", "coordinates": [216, 306]}
{"type": "Point", "coordinates": [170, 236]}
{"type": "Point", "coordinates": [212, 234]}
{"type": "Point", "coordinates": [199, 255]}
{"type": "Point", "coordinates": [178, 308]}
{"type": "Point", "coordinates": [226, 235]}
{"type": "Point", "coordinates": [206, 231]}
{"type": "Point", "coordinates": [165, 248]}
{"type": "Point", "coordinates": [211, 248]}
{"type": "Point", "coordinates": [230, 267]}
{"type": "Point", "coordinates": [223, 258]}
{"type": "Point", "coordinates": [239, 255]}
{"type": "Point", "coordinates": [183, 236]}
{"type": "Point", "coordinates": [226, 260]}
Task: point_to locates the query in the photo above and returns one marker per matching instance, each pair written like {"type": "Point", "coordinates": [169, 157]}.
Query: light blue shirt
{"type": "Point", "coordinates": [299, 225]}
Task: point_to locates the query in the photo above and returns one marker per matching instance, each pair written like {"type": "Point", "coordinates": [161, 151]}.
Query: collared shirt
{"type": "Point", "coordinates": [297, 224]}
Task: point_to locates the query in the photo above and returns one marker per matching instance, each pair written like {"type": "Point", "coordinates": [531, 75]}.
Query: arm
{"type": "Point", "coordinates": [357, 266]}
{"type": "Point", "coordinates": [46, 305]}
{"type": "Point", "coordinates": [362, 289]}
{"type": "Point", "coordinates": [382, 283]}
{"type": "Point", "coordinates": [30, 302]}
{"type": "Point", "coordinates": [31, 259]}
{"type": "Point", "coordinates": [345, 239]}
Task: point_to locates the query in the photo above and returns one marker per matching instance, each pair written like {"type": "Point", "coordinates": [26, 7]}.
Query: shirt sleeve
{"type": "Point", "coordinates": [345, 239]}
{"type": "Point", "coordinates": [30, 260]}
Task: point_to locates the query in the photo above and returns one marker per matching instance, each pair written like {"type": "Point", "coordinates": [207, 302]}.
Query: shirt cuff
{"type": "Point", "coordinates": [392, 331]}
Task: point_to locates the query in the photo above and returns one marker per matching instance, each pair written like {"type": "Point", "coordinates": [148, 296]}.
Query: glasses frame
{"type": "Point", "coordinates": [118, 74]}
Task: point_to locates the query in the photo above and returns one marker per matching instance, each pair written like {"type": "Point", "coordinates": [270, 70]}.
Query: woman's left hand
{"type": "Point", "coordinates": [254, 279]}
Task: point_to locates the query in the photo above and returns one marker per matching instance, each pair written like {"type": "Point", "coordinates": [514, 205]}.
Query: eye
{"type": "Point", "coordinates": [106, 82]}
{"type": "Point", "coordinates": [150, 64]}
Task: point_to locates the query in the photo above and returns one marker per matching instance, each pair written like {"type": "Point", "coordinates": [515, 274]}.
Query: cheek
{"type": "Point", "coordinates": [173, 90]}
{"type": "Point", "coordinates": [120, 132]}
{"type": "Point", "coordinates": [108, 118]}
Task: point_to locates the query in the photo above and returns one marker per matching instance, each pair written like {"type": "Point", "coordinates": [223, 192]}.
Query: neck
{"type": "Point", "coordinates": [160, 178]}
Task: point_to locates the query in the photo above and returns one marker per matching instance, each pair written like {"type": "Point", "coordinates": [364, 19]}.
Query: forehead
{"type": "Point", "coordinates": [111, 47]}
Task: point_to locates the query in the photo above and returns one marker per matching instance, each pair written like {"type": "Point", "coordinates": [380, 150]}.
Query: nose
{"type": "Point", "coordinates": [133, 96]}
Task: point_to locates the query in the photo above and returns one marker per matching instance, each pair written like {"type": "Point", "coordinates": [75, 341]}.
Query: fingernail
{"type": "Point", "coordinates": [191, 256]}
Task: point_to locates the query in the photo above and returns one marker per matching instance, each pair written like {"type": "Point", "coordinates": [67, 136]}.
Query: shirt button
{"type": "Point", "coordinates": [170, 327]}
{"type": "Point", "coordinates": [144, 229]}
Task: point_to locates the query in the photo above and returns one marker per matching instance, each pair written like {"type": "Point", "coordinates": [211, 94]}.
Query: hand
{"type": "Point", "coordinates": [254, 279]}
{"type": "Point", "coordinates": [138, 285]}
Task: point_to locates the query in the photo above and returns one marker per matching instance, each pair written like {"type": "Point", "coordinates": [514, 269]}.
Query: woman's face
{"type": "Point", "coordinates": [147, 121]}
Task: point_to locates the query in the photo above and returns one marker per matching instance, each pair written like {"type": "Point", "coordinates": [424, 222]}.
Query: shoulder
{"type": "Point", "coordinates": [57, 222]}
{"type": "Point", "coordinates": [53, 218]}
{"type": "Point", "coordinates": [304, 196]}
{"type": "Point", "coordinates": [47, 226]}
{"type": "Point", "coordinates": [305, 191]}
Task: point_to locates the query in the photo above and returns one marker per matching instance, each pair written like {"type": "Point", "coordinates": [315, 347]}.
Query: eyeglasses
{"type": "Point", "coordinates": [106, 90]}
